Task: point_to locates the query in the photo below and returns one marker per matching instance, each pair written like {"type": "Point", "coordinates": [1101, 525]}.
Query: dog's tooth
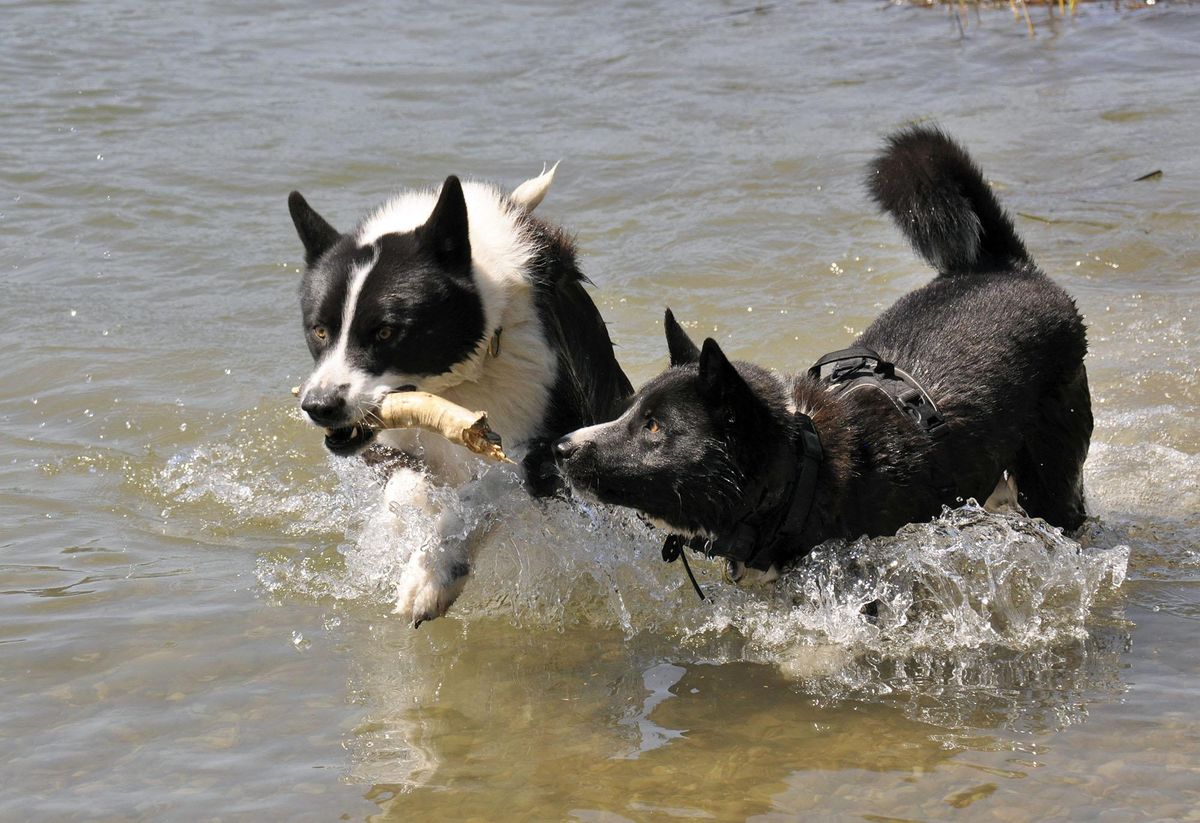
{"type": "Point", "coordinates": [329, 431]}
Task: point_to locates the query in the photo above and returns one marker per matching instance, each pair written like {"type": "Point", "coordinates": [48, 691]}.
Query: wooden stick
{"type": "Point", "coordinates": [421, 410]}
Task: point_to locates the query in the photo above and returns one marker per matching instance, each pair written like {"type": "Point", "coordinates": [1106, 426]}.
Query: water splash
{"type": "Point", "coordinates": [968, 580]}
{"type": "Point", "coordinates": [970, 621]}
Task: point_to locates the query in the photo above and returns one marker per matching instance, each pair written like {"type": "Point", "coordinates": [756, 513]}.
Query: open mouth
{"type": "Point", "coordinates": [347, 439]}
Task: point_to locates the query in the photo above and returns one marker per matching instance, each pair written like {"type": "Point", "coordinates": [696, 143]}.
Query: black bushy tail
{"type": "Point", "coordinates": [940, 201]}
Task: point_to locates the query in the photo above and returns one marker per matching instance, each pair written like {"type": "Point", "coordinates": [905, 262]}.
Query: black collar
{"type": "Point", "coordinates": [769, 521]}
{"type": "Point", "coordinates": [772, 522]}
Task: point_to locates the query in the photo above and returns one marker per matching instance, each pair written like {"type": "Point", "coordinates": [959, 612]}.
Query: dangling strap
{"type": "Point", "coordinates": [672, 550]}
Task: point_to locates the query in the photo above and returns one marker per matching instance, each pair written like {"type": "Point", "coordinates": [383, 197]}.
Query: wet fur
{"type": "Point", "coordinates": [445, 269]}
{"type": "Point", "coordinates": [997, 344]}
{"type": "Point", "coordinates": [418, 295]}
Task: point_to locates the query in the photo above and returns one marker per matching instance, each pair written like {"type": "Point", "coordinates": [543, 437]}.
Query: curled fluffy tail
{"type": "Point", "coordinates": [940, 201]}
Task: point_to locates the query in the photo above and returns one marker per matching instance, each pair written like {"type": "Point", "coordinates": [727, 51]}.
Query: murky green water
{"type": "Point", "coordinates": [195, 601]}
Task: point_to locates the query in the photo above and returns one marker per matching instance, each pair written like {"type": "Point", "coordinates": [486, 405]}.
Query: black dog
{"type": "Point", "coordinates": [972, 386]}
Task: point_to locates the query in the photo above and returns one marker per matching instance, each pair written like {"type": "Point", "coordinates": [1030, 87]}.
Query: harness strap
{"type": "Point", "coordinates": [859, 366]}
{"type": "Point", "coordinates": [757, 536]}
{"type": "Point", "coordinates": [672, 550]}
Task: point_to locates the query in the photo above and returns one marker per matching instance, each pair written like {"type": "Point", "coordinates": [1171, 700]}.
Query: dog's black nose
{"type": "Point", "coordinates": [564, 448]}
{"type": "Point", "coordinates": [326, 407]}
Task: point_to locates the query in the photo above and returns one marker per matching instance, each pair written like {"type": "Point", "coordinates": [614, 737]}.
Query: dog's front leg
{"type": "Point", "coordinates": [436, 574]}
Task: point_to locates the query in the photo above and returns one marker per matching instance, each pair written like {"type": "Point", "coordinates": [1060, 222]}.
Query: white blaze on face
{"type": "Point", "coordinates": [334, 370]}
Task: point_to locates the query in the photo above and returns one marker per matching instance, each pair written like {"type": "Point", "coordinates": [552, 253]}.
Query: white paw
{"type": "Point", "coordinates": [406, 487]}
{"type": "Point", "coordinates": [426, 593]}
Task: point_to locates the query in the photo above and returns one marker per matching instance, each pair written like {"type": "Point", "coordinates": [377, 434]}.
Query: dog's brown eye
{"type": "Point", "coordinates": [320, 332]}
{"type": "Point", "coordinates": [652, 425]}
{"type": "Point", "coordinates": [384, 333]}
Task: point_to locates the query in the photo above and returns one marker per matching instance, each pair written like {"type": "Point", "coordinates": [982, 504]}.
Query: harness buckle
{"type": "Point", "coordinates": [936, 426]}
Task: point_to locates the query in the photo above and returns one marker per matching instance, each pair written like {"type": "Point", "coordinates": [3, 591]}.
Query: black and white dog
{"type": "Point", "coordinates": [462, 293]}
{"type": "Point", "coordinates": [972, 386]}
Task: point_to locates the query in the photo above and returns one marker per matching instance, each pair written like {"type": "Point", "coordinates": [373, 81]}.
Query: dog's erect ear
{"type": "Point", "coordinates": [530, 193]}
{"type": "Point", "coordinates": [315, 233]}
{"type": "Point", "coordinates": [681, 347]}
{"type": "Point", "coordinates": [727, 394]}
{"type": "Point", "coordinates": [446, 230]}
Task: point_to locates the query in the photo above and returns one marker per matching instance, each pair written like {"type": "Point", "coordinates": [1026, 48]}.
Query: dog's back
{"type": "Point", "coordinates": [998, 345]}
{"type": "Point", "coordinates": [742, 463]}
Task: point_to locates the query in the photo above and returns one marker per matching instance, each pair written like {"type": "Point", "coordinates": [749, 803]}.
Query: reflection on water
{"type": "Point", "coordinates": [657, 680]}
{"type": "Point", "coordinates": [985, 628]}
{"type": "Point", "coordinates": [575, 651]}
{"type": "Point", "coordinates": [604, 720]}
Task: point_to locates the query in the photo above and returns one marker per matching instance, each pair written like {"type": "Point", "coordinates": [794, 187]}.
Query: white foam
{"type": "Point", "coordinates": [967, 581]}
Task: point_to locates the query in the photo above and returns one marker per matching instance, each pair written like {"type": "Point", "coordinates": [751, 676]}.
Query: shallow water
{"type": "Point", "coordinates": [195, 601]}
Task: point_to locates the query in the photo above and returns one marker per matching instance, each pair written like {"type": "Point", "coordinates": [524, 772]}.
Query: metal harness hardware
{"type": "Point", "coordinates": [860, 367]}
{"type": "Point", "coordinates": [773, 520]}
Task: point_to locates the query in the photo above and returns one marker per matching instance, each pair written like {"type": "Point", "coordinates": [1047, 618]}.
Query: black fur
{"type": "Point", "coordinates": [316, 234]}
{"type": "Point", "coordinates": [679, 345]}
{"type": "Point", "coordinates": [590, 386]}
{"type": "Point", "coordinates": [419, 312]}
{"type": "Point", "coordinates": [420, 289]}
{"type": "Point", "coordinates": [942, 204]}
{"type": "Point", "coordinates": [996, 343]}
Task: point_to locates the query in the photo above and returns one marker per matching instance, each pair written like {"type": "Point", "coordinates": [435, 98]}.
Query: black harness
{"type": "Point", "coordinates": [859, 367]}
{"type": "Point", "coordinates": [779, 511]}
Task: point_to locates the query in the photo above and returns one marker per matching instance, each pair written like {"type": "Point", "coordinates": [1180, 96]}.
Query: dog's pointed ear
{"type": "Point", "coordinates": [726, 392]}
{"type": "Point", "coordinates": [446, 230]}
{"type": "Point", "coordinates": [315, 233]}
{"type": "Point", "coordinates": [683, 350]}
